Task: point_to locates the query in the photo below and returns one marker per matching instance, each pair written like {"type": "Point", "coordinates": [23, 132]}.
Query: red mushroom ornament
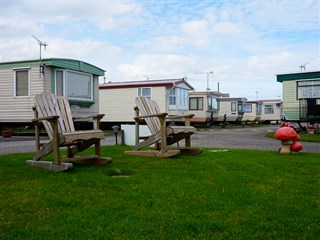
{"type": "Point", "coordinates": [296, 147]}
{"type": "Point", "coordinates": [286, 135]}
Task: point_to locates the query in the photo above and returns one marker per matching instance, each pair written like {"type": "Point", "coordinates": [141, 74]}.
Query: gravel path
{"type": "Point", "coordinates": [244, 138]}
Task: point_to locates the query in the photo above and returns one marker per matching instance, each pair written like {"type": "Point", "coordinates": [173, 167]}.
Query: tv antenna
{"type": "Point", "coordinates": [41, 44]}
{"type": "Point", "coordinates": [303, 67]}
{"type": "Point", "coordinates": [147, 76]}
{"type": "Point", "coordinates": [207, 73]}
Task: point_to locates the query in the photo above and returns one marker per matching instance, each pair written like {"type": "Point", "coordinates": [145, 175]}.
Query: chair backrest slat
{"type": "Point", "coordinates": [66, 114]}
{"type": "Point", "coordinates": [148, 107]}
{"type": "Point", "coordinates": [42, 112]}
{"type": "Point", "coordinates": [48, 104]}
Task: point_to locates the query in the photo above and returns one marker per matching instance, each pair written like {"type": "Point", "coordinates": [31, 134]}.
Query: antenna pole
{"type": "Point", "coordinates": [41, 44]}
{"type": "Point", "coordinates": [303, 67]}
{"type": "Point", "coordinates": [208, 79]}
{"type": "Point", "coordinates": [147, 76]}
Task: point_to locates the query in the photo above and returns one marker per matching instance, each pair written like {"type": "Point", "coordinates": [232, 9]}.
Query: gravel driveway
{"type": "Point", "coordinates": [244, 138]}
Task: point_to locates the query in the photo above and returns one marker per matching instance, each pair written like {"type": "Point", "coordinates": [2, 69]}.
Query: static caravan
{"type": "Point", "coordinates": [252, 111]}
{"type": "Point", "coordinates": [231, 109]}
{"type": "Point", "coordinates": [301, 96]}
{"type": "Point", "coordinates": [204, 106]}
{"type": "Point", "coordinates": [21, 81]}
{"type": "Point", "coordinates": [271, 110]}
{"type": "Point", "coordinates": [117, 99]}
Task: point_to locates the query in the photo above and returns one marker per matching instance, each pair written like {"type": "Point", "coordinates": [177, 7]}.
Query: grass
{"type": "Point", "coordinates": [240, 194]}
{"type": "Point", "coordinates": [310, 137]}
{"type": "Point", "coordinates": [304, 137]}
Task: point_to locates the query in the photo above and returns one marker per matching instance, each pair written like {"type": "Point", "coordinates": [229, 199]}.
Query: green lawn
{"type": "Point", "coordinates": [240, 194]}
{"type": "Point", "coordinates": [304, 137]}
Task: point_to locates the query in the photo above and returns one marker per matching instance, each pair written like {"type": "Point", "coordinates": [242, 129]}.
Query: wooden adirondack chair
{"type": "Point", "coordinates": [161, 135]}
{"type": "Point", "coordinates": [54, 113]}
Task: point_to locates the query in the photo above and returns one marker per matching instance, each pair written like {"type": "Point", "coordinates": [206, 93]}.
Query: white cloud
{"type": "Point", "coordinates": [158, 66]}
{"type": "Point", "coordinates": [226, 27]}
{"type": "Point", "coordinates": [245, 43]}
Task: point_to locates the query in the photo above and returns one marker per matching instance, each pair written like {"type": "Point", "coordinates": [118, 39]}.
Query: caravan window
{"type": "Point", "coordinates": [258, 108]}
{"type": "Point", "coordinates": [248, 108]}
{"type": "Point", "coordinates": [79, 85]}
{"type": "Point", "coordinates": [233, 106]}
{"type": "Point", "coordinates": [308, 89]}
{"type": "Point", "coordinates": [144, 92]}
{"type": "Point", "coordinates": [196, 103]}
{"type": "Point", "coordinates": [240, 106]}
{"type": "Point", "coordinates": [21, 83]}
{"type": "Point", "coordinates": [178, 99]}
{"type": "Point", "coordinates": [74, 85]}
{"type": "Point", "coordinates": [59, 83]}
{"type": "Point", "coordinates": [268, 109]}
{"type": "Point", "coordinates": [212, 103]}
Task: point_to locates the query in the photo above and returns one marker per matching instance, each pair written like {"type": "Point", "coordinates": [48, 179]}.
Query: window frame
{"type": "Point", "coordinates": [269, 107]}
{"type": "Point", "coordinates": [15, 82]}
{"type": "Point", "coordinates": [63, 82]}
{"type": "Point", "coordinates": [246, 106]}
{"type": "Point", "coordinates": [65, 85]}
{"type": "Point", "coordinates": [210, 105]}
{"type": "Point", "coordinates": [198, 107]}
{"type": "Point", "coordinates": [140, 91]}
{"type": "Point", "coordinates": [258, 108]}
{"type": "Point", "coordinates": [234, 106]}
{"type": "Point", "coordinates": [180, 97]}
{"type": "Point", "coordinates": [312, 85]}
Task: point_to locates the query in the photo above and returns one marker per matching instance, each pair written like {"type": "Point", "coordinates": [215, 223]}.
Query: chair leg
{"type": "Point", "coordinates": [97, 148]}
{"type": "Point", "coordinates": [55, 143]}
{"type": "Point", "coordinates": [69, 152]}
{"type": "Point", "coordinates": [188, 142]}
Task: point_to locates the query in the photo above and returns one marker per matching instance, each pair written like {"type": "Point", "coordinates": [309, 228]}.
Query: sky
{"type": "Point", "coordinates": [238, 45]}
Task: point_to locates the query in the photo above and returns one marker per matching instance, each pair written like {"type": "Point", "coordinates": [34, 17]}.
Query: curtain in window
{"type": "Point", "coordinates": [22, 83]}
{"type": "Point", "coordinates": [309, 89]}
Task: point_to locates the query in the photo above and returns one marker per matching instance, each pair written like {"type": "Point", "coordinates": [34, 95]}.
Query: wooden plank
{"type": "Point", "coordinates": [154, 153]}
{"type": "Point", "coordinates": [92, 160]}
{"type": "Point", "coordinates": [65, 123]}
{"type": "Point", "coordinates": [44, 151]}
{"type": "Point", "coordinates": [146, 109]}
{"type": "Point", "coordinates": [40, 108]}
{"type": "Point", "coordinates": [50, 165]}
{"type": "Point", "coordinates": [55, 110]}
{"type": "Point", "coordinates": [70, 137]}
{"type": "Point", "coordinates": [67, 115]}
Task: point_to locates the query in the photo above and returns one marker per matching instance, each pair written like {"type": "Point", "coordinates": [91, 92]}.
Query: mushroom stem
{"type": "Point", "coordinates": [285, 146]}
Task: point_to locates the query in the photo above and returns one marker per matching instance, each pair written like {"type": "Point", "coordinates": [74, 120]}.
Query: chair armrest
{"type": "Point", "coordinates": [96, 119]}
{"type": "Point", "coordinates": [186, 118]}
{"type": "Point", "coordinates": [50, 118]}
{"type": "Point", "coordinates": [151, 115]}
{"type": "Point", "coordinates": [99, 116]}
{"type": "Point", "coordinates": [181, 116]}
